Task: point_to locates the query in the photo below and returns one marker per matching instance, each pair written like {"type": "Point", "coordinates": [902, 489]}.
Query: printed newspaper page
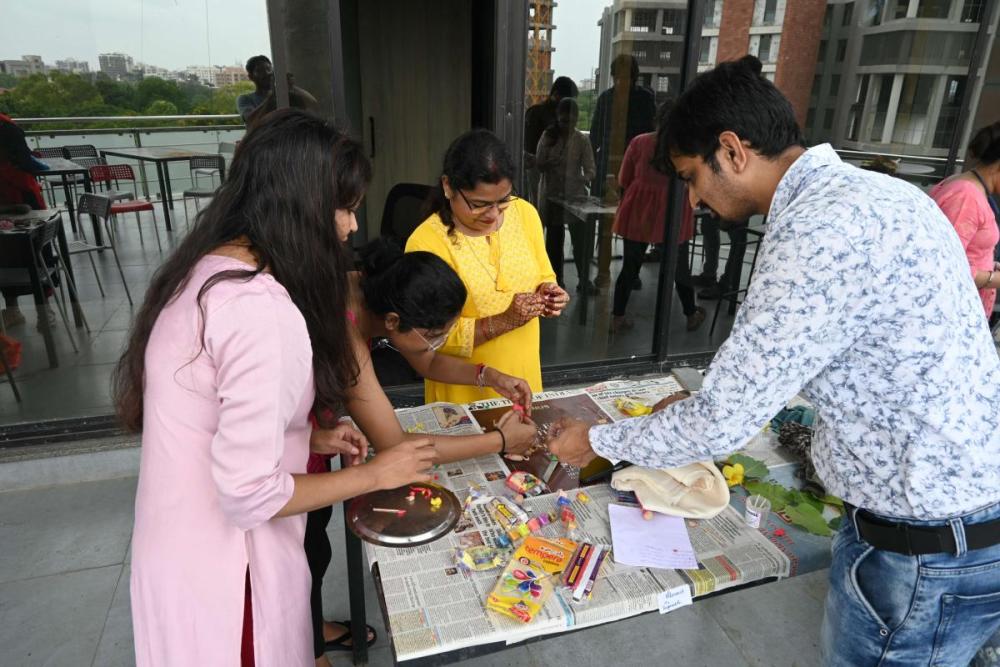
{"type": "Point", "coordinates": [432, 606]}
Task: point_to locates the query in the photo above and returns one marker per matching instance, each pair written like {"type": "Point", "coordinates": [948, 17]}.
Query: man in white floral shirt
{"type": "Point", "coordinates": [863, 303]}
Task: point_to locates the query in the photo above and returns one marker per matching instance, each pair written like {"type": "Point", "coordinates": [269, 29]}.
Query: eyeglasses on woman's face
{"type": "Point", "coordinates": [478, 207]}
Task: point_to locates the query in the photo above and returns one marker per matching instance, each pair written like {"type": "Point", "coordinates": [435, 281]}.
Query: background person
{"type": "Point", "coordinates": [906, 383]}
{"type": "Point", "coordinates": [641, 221]}
{"type": "Point", "coordinates": [537, 119]}
{"type": "Point", "coordinates": [493, 241]}
{"type": "Point", "coordinates": [411, 301]}
{"type": "Point", "coordinates": [566, 164]}
{"type": "Point", "coordinates": [241, 336]}
{"type": "Point", "coordinates": [969, 200]}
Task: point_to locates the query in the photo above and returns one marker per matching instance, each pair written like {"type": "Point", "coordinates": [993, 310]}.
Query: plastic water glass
{"type": "Point", "coordinates": [758, 507]}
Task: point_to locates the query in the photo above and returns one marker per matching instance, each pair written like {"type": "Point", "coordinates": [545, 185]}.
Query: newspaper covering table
{"type": "Point", "coordinates": [432, 607]}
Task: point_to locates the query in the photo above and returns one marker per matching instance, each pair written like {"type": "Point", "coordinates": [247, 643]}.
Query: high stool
{"type": "Point", "coordinates": [734, 297]}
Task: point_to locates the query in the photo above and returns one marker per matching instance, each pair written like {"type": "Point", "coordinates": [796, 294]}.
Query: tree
{"type": "Point", "coordinates": [152, 88]}
{"type": "Point", "coordinates": [116, 93]}
{"type": "Point", "coordinates": [161, 108]}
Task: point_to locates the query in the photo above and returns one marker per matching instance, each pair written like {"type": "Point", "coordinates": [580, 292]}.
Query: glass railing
{"type": "Point", "coordinates": [205, 136]}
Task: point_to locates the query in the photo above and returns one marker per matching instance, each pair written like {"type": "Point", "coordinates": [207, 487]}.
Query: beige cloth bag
{"type": "Point", "coordinates": [695, 491]}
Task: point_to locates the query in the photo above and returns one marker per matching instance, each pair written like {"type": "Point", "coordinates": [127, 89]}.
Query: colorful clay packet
{"type": "Point", "coordinates": [527, 581]}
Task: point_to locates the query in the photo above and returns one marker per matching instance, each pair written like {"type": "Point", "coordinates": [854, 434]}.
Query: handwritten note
{"type": "Point", "coordinates": [675, 598]}
{"type": "Point", "coordinates": [661, 542]}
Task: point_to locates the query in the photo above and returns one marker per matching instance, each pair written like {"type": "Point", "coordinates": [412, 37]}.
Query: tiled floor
{"type": "Point", "coordinates": [79, 386]}
{"type": "Point", "coordinates": [64, 571]}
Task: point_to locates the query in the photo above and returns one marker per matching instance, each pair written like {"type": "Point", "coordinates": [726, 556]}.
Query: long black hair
{"type": "Point", "coordinates": [985, 145]}
{"type": "Point", "coordinates": [420, 287]}
{"type": "Point", "coordinates": [288, 177]}
{"type": "Point", "coordinates": [478, 156]}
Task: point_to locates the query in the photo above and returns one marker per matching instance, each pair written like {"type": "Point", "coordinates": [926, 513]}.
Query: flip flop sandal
{"type": "Point", "coordinates": [342, 643]}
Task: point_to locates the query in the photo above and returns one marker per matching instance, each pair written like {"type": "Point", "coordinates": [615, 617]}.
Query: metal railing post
{"type": "Point", "coordinates": [137, 140]}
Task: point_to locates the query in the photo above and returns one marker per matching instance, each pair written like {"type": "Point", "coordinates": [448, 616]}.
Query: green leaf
{"type": "Point", "coordinates": [777, 494]}
{"type": "Point", "coordinates": [752, 468]}
{"type": "Point", "coordinates": [799, 497]}
{"type": "Point", "coordinates": [832, 500]}
{"type": "Point", "coordinates": [808, 517]}
{"type": "Point", "coordinates": [834, 523]}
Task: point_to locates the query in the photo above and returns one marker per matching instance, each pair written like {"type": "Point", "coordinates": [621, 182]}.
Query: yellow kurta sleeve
{"type": "Point", "coordinates": [533, 228]}
{"type": "Point", "coordinates": [425, 238]}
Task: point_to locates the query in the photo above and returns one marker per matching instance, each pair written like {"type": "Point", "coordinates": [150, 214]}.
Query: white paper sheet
{"type": "Point", "coordinates": [661, 542]}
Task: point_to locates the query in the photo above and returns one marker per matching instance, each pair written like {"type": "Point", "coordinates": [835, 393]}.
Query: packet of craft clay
{"type": "Point", "coordinates": [529, 578]}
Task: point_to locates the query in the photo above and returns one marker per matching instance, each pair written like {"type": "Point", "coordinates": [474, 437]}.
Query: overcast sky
{"type": "Point", "coordinates": [172, 33]}
{"type": "Point", "coordinates": [577, 38]}
{"type": "Point", "coordinates": [165, 33]}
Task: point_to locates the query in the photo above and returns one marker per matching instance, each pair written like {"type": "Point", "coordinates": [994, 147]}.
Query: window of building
{"type": "Point", "coordinates": [765, 47]}
{"type": "Point", "coordinates": [972, 11]}
{"type": "Point", "coordinates": [841, 50]}
{"type": "Point", "coordinates": [704, 55]}
{"type": "Point", "coordinates": [951, 105]}
{"type": "Point", "coordinates": [902, 6]}
{"type": "Point", "coordinates": [713, 14]}
{"type": "Point", "coordinates": [673, 21]}
{"type": "Point", "coordinates": [769, 76]}
{"type": "Point", "coordinates": [848, 14]}
{"type": "Point", "coordinates": [828, 119]}
{"type": "Point", "coordinates": [770, 12]}
{"type": "Point", "coordinates": [854, 114]}
{"type": "Point", "coordinates": [662, 84]}
{"type": "Point", "coordinates": [810, 118]}
{"type": "Point", "coordinates": [821, 56]}
{"type": "Point", "coordinates": [914, 109]}
{"type": "Point", "coordinates": [619, 20]}
{"type": "Point", "coordinates": [933, 9]}
{"type": "Point", "coordinates": [834, 85]}
{"type": "Point", "coordinates": [643, 20]}
{"type": "Point", "coordinates": [817, 82]}
{"type": "Point", "coordinates": [881, 110]}
{"type": "Point", "coordinates": [827, 16]}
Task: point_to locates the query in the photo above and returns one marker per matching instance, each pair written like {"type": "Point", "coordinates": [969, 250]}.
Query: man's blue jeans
{"type": "Point", "coordinates": [885, 608]}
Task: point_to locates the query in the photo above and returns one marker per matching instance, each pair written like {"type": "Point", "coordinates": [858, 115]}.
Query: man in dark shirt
{"type": "Point", "coordinates": [536, 119]}
{"type": "Point", "coordinates": [622, 112]}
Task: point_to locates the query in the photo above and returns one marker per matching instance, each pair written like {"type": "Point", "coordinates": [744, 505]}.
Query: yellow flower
{"type": "Point", "coordinates": [733, 474]}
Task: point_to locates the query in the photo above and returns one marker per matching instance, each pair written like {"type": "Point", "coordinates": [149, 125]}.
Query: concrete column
{"type": "Point", "coordinates": [890, 116]}
{"type": "Point", "coordinates": [911, 9]}
{"type": "Point", "coordinates": [868, 111]}
{"type": "Point", "coordinates": [934, 110]}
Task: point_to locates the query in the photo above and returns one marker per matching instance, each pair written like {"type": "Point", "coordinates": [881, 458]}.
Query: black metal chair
{"type": "Point", "coordinates": [98, 207]}
{"type": "Point", "coordinates": [23, 267]}
{"type": "Point", "coordinates": [212, 164]}
{"type": "Point", "coordinates": [735, 294]}
{"type": "Point", "coordinates": [405, 208]}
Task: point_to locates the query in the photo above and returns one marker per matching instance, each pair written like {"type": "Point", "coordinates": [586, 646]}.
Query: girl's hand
{"type": "Point", "coordinates": [519, 432]}
{"type": "Point", "coordinates": [407, 463]}
{"type": "Point", "coordinates": [514, 389]}
{"type": "Point", "coordinates": [555, 299]}
{"type": "Point", "coordinates": [341, 439]}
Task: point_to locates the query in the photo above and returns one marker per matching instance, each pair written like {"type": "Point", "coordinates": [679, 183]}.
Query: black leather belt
{"type": "Point", "coordinates": [918, 540]}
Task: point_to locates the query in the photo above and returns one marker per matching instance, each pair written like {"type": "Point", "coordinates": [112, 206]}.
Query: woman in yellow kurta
{"type": "Point", "coordinates": [494, 242]}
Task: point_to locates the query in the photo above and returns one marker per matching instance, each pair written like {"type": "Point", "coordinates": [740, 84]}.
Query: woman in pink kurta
{"type": "Point", "coordinates": [242, 335]}
{"type": "Point", "coordinates": [640, 221]}
{"type": "Point", "coordinates": [969, 201]}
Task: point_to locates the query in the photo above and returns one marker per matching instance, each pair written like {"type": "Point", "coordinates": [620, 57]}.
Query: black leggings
{"type": "Point", "coordinates": [555, 240]}
{"type": "Point", "coordinates": [632, 257]}
{"type": "Point", "coordinates": [318, 554]}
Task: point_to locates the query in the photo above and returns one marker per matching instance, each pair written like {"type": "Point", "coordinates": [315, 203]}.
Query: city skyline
{"type": "Point", "coordinates": [172, 34]}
